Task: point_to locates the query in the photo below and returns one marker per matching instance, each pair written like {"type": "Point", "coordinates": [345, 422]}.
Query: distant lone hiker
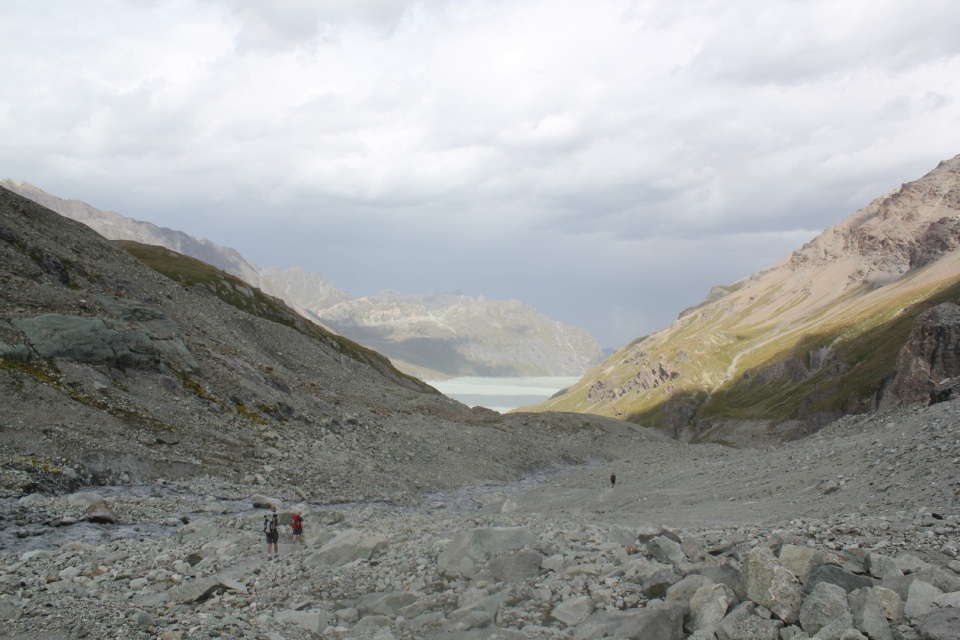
{"type": "Point", "coordinates": [271, 529]}
{"type": "Point", "coordinates": [613, 480]}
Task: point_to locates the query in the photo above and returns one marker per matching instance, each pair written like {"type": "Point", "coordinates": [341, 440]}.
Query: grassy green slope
{"type": "Point", "coordinates": [191, 272]}
{"type": "Point", "coordinates": [834, 361]}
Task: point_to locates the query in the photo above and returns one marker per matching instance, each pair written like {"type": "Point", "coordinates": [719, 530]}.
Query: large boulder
{"type": "Point", "coordinates": [826, 603]}
{"type": "Point", "coordinates": [920, 599]}
{"type": "Point", "coordinates": [195, 590]}
{"type": "Point", "coordinates": [347, 546]}
{"type": "Point", "coordinates": [387, 603]}
{"type": "Point", "coordinates": [943, 624]}
{"type": "Point", "coordinates": [742, 623]}
{"type": "Point", "coordinates": [709, 606]}
{"type": "Point", "coordinates": [516, 567]}
{"type": "Point", "coordinates": [101, 513]}
{"type": "Point", "coordinates": [466, 553]}
{"type": "Point", "coordinates": [803, 561]}
{"type": "Point", "coordinates": [663, 549]}
{"type": "Point", "coordinates": [832, 574]}
{"type": "Point", "coordinates": [869, 614]}
{"type": "Point", "coordinates": [572, 612]}
{"type": "Point", "coordinates": [770, 584]}
{"type": "Point", "coordinates": [664, 623]}
{"type": "Point", "coordinates": [89, 340]}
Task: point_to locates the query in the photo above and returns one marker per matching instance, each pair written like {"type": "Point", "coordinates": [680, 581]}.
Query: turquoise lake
{"type": "Point", "coordinates": [502, 394]}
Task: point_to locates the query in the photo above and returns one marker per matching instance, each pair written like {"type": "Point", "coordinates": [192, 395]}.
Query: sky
{"type": "Point", "coordinates": [606, 161]}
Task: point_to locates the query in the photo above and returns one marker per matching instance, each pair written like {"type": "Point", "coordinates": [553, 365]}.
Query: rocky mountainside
{"type": "Point", "coordinates": [432, 336]}
{"type": "Point", "coordinates": [114, 226]}
{"type": "Point", "coordinates": [135, 362]}
{"type": "Point", "coordinates": [788, 349]}
{"type": "Point", "coordinates": [463, 335]}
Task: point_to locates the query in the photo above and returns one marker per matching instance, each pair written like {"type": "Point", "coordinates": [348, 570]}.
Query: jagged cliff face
{"type": "Point", "coordinates": [433, 336]}
{"type": "Point", "coordinates": [801, 343]}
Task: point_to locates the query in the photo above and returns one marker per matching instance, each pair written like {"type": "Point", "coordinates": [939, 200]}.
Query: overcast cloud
{"type": "Point", "coordinates": [605, 161]}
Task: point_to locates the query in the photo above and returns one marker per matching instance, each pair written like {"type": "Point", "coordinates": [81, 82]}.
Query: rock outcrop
{"type": "Point", "coordinates": [930, 356]}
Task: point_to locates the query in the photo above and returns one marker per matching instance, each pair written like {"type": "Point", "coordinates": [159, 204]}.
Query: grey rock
{"type": "Point", "coordinates": [384, 603]}
{"type": "Point", "coordinates": [665, 623]}
{"type": "Point", "coordinates": [920, 599]}
{"type": "Point", "coordinates": [572, 612]}
{"type": "Point", "coordinates": [772, 585]}
{"type": "Point", "coordinates": [101, 513]}
{"type": "Point", "coordinates": [837, 628]}
{"type": "Point", "coordinates": [10, 611]}
{"type": "Point", "coordinates": [685, 588]}
{"type": "Point", "coordinates": [515, 567]}
{"type": "Point", "coordinates": [312, 621]}
{"type": "Point", "coordinates": [869, 614]}
{"type": "Point", "coordinates": [802, 561]}
{"type": "Point", "coordinates": [943, 624]}
{"type": "Point", "coordinates": [825, 604]}
{"type": "Point", "coordinates": [881, 566]}
{"type": "Point", "coordinates": [657, 584]}
{"type": "Point", "coordinates": [942, 579]}
{"type": "Point", "coordinates": [742, 624]}
{"type": "Point", "coordinates": [709, 605]}
{"type": "Point", "coordinates": [948, 600]}
{"type": "Point", "coordinates": [347, 546]}
{"type": "Point", "coordinates": [469, 549]}
{"type": "Point", "coordinates": [665, 550]}
{"type": "Point", "coordinates": [898, 584]}
{"type": "Point", "coordinates": [833, 574]}
{"type": "Point", "coordinates": [195, 590]}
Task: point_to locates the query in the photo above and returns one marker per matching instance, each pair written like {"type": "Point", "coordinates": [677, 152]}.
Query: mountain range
{"type": "Point", "coordinates": [434, 336]}
{"type": "Point", "coordinates": [790, 348]}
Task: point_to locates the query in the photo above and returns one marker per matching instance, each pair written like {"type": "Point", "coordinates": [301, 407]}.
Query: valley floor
{"type": "Point", "coordinates": [671, 551]}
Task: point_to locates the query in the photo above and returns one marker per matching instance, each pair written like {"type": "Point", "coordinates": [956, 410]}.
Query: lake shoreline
{"type": "Point", "coordinates": [502, 394]}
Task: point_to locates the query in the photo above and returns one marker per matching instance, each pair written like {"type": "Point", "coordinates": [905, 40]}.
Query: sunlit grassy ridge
{"type": "Point", "coordinates": [191, 272]}
{"type": "Point", "coordinates": [742, 363]}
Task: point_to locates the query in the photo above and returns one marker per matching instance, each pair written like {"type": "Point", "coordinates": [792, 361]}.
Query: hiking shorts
{"type": "Point", "coordinates": [273, 537]}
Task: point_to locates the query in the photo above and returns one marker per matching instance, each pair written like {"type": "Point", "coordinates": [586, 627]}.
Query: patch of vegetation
{"type": "Point", "coordinates": [37, 464]}
{"type": "Point", "coordinates": [862, 355]}
{"type": "Point", "coordinates": [35, 371]}
{"type": "Point", "coordinates": [243, 411]}
{"type": "Point", "coordinates": [193, 386]}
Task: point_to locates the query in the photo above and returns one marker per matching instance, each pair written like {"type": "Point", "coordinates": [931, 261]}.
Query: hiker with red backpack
{"type": "Point", "coordinates": [296, 522]}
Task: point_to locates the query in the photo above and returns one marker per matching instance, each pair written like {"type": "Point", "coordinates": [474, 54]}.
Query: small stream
{"type": "Point", "coordinates": [29, 529]}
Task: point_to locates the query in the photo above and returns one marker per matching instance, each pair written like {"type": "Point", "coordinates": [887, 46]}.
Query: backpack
{"type": "Point", "coordinates": [296, 521]}
{"type": "Point", "coordinates": [270, 523]}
